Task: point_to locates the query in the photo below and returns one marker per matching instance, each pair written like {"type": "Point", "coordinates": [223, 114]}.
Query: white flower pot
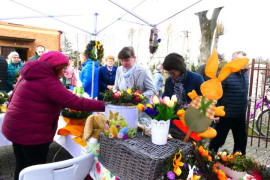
{"type": "Point", "coordinates": [235, 175]}
{"type": "Point", "coordinates": [121, 121]}
{"type": "Point", "coordinates": [159, 131]}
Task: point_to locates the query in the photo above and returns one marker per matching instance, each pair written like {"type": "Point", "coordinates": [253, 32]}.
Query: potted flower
{"type": "Point", "coordinates": [121, 113]}
{"type": "Point", "coordinates": [3, 102]}
{"type": "Point", "coordinates": [161, 111]}
{"type": "Point", "coordinates": [234, 165]}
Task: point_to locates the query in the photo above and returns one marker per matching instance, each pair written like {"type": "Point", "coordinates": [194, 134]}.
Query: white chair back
{"type": "Point", "coordinates": [71, 169]}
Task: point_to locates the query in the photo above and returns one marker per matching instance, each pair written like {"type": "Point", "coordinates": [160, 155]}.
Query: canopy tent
{"type": "Point", "coordinates": [81, 14]}
{"type": "Point", "coordinates": [95, 17]}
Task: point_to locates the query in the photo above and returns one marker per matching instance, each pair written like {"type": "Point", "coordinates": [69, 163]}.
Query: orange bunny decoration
{"type": "Point", "coordinates": [201, 111]}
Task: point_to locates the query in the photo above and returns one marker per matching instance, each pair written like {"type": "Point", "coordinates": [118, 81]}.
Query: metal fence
{"type": "Point", "coordinates": [258, 111]}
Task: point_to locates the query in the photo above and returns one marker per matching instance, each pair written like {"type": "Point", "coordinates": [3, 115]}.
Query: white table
{"type": "Point", "coordinates": [67, 142]}
{"type": "Point", "coordinates": [3, 139]}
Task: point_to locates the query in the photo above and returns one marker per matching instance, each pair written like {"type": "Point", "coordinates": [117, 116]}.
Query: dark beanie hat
{"type": "Point", "coordinates": [55, 58]}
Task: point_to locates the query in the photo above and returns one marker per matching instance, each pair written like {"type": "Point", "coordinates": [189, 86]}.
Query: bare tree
{"type": "Point", "coordinates": [131, 33]}
{"type": "Point", "coordinates": [169, 33]}
{"type": "Point", "coordinates": [208, 27]}
{"type": "Point", "coordinates": [219, 32]}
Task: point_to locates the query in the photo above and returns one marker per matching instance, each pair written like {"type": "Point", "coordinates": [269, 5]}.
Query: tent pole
{"type": "Point", "coordinates": [93, 62]}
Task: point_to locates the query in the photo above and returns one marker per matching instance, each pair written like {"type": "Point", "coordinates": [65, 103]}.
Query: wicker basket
{"type": "Point", "coordinates": [138, 158]}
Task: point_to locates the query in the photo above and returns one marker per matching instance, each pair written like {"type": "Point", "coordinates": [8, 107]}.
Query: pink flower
{"type": "Point", "coordinates": [136, 98]}
{"type": "Point", "coordinates": [116, 95]}
{"type": "Point", "coordinates": [139, 92]}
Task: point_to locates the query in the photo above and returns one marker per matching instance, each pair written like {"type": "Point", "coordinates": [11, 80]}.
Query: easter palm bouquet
{"type": "Point", "coordinates": [128, 97]}
{"type": "Point", "coordinates": [160, 109]}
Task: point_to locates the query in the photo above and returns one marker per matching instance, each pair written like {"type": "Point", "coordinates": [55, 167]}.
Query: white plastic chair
{"type": "Point", "coordinates": [71, 169]}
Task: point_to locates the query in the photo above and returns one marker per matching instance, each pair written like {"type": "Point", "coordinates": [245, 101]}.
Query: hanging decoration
{"type": "Point", "coordinates": [94, 50]}
{"type": "Point", "coordinates": [154, 40]}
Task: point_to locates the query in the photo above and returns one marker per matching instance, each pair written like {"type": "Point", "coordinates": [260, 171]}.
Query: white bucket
{"type": "Point", "coordinates": [121, 121]}
{"type": "Point", "coordinates": [159, 131]}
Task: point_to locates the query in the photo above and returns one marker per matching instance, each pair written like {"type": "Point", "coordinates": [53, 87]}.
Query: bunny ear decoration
{"type": "Point", "coordinates": [233, 66]}
{"type": "Point", "coordinates": [212, 65]}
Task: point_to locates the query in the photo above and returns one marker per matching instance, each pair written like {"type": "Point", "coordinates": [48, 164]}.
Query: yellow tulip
{"type": "Point", "coordinates": [170, 104]}
{"type": "Point", "coordinates": [174, 98]}
{"type": "Point", "coordinates": [155, 100]}
{"type": "Point", "coordinates": [120, 94]}
{"type": "Point", "coordinates": [129, 91]}
{"type": "Point", "coordinates": [141, 107]}
{"type": "Point", "coordinates": [149, 105]}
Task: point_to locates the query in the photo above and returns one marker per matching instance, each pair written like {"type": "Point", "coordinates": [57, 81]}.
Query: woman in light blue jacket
{"type": "Point", "coordinates": [131, 74]}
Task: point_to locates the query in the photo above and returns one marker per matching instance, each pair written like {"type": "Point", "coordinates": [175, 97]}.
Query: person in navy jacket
{"type": "Point", "coordinates": [181, 80]}
{"type": "Point", "coordinates": [106, 76]}
{"type": "Point", "coordinates": [235, 101]}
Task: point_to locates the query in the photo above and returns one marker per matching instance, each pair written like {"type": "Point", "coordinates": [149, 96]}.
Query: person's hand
{"type": "Point", "coordinates": [216, 120]}
{"type": "Point", "coordinates": [157, 93]}
{"type": "Point", "coordinates": [110, 87]}
{"type": "Point", "coordinates": [14, 86]}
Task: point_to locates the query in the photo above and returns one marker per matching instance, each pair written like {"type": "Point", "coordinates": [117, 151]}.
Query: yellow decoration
{"type": "Point", "coordinates": [114, 131]}
{"type": "Point", "coordinates": [129, 91]}
{"type": "Point", "coordinates": [177, 163]}
{"type": "Point", "coordinates": [113, 116]}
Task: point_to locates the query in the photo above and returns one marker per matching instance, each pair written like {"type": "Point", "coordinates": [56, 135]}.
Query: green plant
{"type": "Point", "coordinates": [3, 97]}
{"type": "Point", "coordinates": [160, 109]}
{"type": "Point", "coordinates": [129, 97]}
{"type": "Point", "coordinates": [72, 114]}
{"type": "Point", "coordinates": [94, 51]}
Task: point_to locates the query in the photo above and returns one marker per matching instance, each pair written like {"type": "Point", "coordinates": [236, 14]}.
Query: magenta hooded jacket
{"type": "Point", "coordinates": [35, 106]}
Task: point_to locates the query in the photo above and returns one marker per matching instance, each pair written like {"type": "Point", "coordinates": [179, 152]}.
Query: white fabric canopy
{"type": "Point", "coordinates": [80, 14]}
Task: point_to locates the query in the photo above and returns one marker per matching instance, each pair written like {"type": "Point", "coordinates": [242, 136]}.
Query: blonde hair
{"type": "Point", "coordinates": [109, 57]}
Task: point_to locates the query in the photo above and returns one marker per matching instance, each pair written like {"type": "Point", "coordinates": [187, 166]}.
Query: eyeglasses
{"type": "Point", "coordinates": [170, 73]}
{"type": "Point", "coordinates": [15, 57]}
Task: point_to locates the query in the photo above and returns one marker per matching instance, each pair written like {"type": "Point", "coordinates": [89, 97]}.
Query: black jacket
{"type": "Point", "coordinates": [3, 73]}
{"type": "Point", "coordinates": [235, 94]}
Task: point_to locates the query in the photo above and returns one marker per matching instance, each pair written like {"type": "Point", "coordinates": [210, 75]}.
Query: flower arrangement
{"type": "Point", "coordinates": [73, 114]}
{"type": "Point", "coordinates": [3, 97]}
{"type": "Point", "coordinates": [179, 167]}
{"type": "Point", "coordinates": [128, 97]}
{"type": "Point", "coordinates": [3, 102]}
{"type": "Point", "coordinates": [160, 109]}
{"type": "Point", "coordinates": [90, 50]}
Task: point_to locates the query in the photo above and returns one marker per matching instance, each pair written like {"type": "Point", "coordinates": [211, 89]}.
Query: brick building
{"type": "Point", "coordinates": [24, 39]}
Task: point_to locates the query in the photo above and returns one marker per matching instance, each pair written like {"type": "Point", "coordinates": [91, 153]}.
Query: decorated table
{"type": "Point", "coordinates": [97, 171]}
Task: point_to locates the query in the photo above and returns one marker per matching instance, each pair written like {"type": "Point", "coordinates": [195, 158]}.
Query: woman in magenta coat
{"type": "Point", "coordinates": [31, 120]}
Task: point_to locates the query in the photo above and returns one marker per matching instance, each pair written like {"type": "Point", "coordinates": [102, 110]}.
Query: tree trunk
{"type": "Point", "coordinates": [208, 27]}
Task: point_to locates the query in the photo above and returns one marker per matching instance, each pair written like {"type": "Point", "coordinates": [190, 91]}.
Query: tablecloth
{"type": "Point", "coordinates": [3, 139]}
{"type": "Point", "coordinates": [97, 172]}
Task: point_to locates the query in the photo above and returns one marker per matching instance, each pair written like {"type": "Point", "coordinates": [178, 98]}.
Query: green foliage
{"type": "Point", "coordinates": [94, 51]}
{"type": "Point", "coordinates": [72, 114]}
{"type": "Point", "coordinates": [3, 97]}
{"type": "Point", "coordinates": [129, 97]}
{"type": "Point", "coordinates": [193, 68]}
{"type": "Point", "coordinates": [237, 161]}
{"type": "Point", "coordinates": [185, 170]}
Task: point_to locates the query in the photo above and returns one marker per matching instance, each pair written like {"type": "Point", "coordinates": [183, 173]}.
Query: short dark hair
{"type": "Point", "coordinates": [126, 53]}
{"type": "Point", "coordinates": [175, 61]}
